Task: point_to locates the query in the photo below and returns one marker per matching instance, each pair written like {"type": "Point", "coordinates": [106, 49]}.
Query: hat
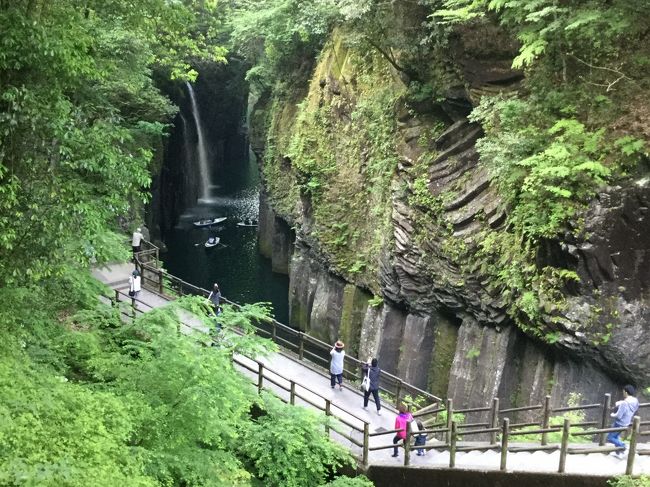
{"type": "Point", "coordinates": [339, 344]}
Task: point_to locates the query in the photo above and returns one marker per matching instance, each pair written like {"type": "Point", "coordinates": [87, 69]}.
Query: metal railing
{"type": "Point", "coordinates": [303, 345]}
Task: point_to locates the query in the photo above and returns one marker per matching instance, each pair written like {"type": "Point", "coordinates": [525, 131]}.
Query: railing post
{"type": "Point", "coordinates": [301, 346]}
{"type": "Point", "coordinates": [566, 427]}
{"type": "Point", "coordinates": [292, 394]}
{"type": "Point", "coordinates": [546, 417]}
{"type": "Point", "coordinates": [366, 441]}
{"type": "Point", "coordinates": [636, 424]}
{"type": "Point", "coordinates": [607, 405]}
{"type": "Point", "coordinates": [452, 446]}
{"type": "Point", "coordinates": [274, 331]}
{"type": "Point", "coordinates": [505, 431]}
{"type": "Point", "coordinates": [117, 296]}
{"type": "Point", "coordinates": [260, 376]}
{"type": "Point", "coordinates": [160, 282]}
{"type": "Point", "coordinates": [407, 445]}
{"type": "Point", "coordinates": [398, 391]}
{"type": "Point", "coordinates": [494, 420]}
{"type": "Point", "coordinates": [450, 417]}
{"type": "Point", "coordinates": [328, 412]}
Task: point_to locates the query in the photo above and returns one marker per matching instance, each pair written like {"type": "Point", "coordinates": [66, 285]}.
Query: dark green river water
{"type": "Point", "coordinates": [242, 273]}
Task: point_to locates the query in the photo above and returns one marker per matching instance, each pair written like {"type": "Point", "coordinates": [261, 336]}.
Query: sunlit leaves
{"type": "Point", "coordinates": [78, 116]}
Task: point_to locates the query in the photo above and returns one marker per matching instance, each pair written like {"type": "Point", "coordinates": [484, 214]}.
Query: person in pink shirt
{"type": "Point", "coordinates": [401, 422]}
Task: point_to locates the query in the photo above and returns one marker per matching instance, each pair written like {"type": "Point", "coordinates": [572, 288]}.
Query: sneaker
{"type": "Point", "coordinates": [619, 454]}
{"type": "Point", "coordinates": [365, 408]}
{"type": "Point", "coordinates": [394, 455]}
{"type": "Point", "coordinates": [378, 412]}
{"type": "Point", "coordinates": [340, 387]}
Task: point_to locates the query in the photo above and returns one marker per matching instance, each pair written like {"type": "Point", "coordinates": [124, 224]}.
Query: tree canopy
{"type": "Point", "coordinates": [78, 116]}
{"type": "Point", "coordinates": [88, 399]}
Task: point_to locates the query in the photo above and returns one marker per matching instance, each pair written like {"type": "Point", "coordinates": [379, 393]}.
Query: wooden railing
{"type": "Point", "coordinates": [264, 374]}
{"type": "Point", "coordinates": [496, 432]}
{"type": "Point", "coordinates": [499, 431]}
{"type": "Point", "coordinates": [304, 346]}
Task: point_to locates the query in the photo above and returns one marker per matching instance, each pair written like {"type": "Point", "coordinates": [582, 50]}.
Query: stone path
{"type": "Point", "coordinates": [347, 404]}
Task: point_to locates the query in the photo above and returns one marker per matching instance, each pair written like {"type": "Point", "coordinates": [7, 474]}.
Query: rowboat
{"type": "Point", "coordinates": [212, 242]}
{"type": "Point", "coordinates": [209, 221]}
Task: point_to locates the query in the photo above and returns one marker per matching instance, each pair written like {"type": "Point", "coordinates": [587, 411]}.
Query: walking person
{"type": "Point", "coordinates": [420, 438]}
{"type": "Point", "coordinates": [136, 241]}
{"type": "Point", "coordinates": [401, 423]}
{"type": "Point", "coordinates": [215, 298]}
{"type": "Point", "coordinates": [625, 411]}
{"type": "Point", "coordinates": [135, 284]}
{"type": "Point", "coordinates": [373, 372]}
{"type": "Point", "coordinates": [336, 364]}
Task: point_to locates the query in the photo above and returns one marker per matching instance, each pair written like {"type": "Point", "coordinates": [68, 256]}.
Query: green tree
{"type": "Point", "coordinates": [288, 447]}
{"type": "Point", "coordinates": [279, 37]}
{"type": "Point", "coordinates": [78, 116]}
{"type": "Point", "coordinates": [88, 399]}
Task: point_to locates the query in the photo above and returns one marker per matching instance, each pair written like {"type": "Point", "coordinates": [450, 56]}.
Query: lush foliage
{"type": "Point", "coordinates": [88, 399]}
{"type": "Point", "coordinates": [337, 148]}
{"type": "Point", "coordinates": [288, 448]}
{"type": "Point", "coordinates": [78, 115]}
{"type": "Point", "coordinates": [278, 37]}
{"type": "Point", "coordinates": [349, 482]}
{"type": "Point", "coordinates": [589, 33]}
{"type": "Point", "coordinates": [629, 481]}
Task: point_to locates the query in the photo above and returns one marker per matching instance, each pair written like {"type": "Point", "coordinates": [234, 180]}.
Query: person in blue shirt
{"type": "Point", "coordinates": [625, 411]}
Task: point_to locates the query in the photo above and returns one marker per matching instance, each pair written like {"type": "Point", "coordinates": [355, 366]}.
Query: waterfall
{"type": "Point", "coordinates": [202, 150]}
{"type": "Point", "coordinates": [187, 146]}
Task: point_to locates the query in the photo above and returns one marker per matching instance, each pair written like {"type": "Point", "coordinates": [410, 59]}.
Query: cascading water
{"type": "Point", "coordinates": [187, 146]}
{"type": "Point", "coordinates": [201, 148]}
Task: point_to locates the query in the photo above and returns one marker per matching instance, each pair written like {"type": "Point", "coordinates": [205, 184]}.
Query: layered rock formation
{"type": "Point", "coordinates": [436, 319]}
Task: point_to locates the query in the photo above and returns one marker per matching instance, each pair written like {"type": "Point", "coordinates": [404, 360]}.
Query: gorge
{"type": "Point", "coordinates": [399, 237]}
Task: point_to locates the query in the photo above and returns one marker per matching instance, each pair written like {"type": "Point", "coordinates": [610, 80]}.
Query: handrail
{"type": "Point", "coordinates": [153, 278]}
{"type": "Point", "coordinates": [167, 285]}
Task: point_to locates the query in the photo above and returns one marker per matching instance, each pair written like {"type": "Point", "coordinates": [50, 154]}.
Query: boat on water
{"type": "Point", "coordinates": [212, 242]}
{"type": "Point", "coordinates": [247, 223]}
{"type": "Point", "coordinates": [209, 221]}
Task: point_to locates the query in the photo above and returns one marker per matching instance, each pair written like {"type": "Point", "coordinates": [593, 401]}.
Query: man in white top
{"type": "Point", "coordinates": [136, 241]}
{"type": "Point", "coordinates": [336, 365]}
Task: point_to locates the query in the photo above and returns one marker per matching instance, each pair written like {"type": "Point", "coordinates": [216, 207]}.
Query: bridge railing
{"type": "Point", "coordinates": [304, 346]}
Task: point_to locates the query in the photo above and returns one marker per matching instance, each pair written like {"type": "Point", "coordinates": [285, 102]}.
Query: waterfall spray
{"type": "Point", "coordinates": [202, 150]}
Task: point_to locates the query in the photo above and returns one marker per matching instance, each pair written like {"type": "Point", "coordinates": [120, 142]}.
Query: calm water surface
{"type": "Point", "coordinates": [242, 273]}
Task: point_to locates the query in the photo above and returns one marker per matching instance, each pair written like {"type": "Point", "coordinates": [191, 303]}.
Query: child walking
{"type": "Point", "coordinates": [420, 438]}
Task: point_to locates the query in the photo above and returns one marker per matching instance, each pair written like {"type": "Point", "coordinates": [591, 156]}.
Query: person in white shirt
{"type": "Point", "coordinates": [336, 365]}
{"type": "Point", "coordinates": [136, 241]}
{"type": "Point", "coordinates": [135, 284]}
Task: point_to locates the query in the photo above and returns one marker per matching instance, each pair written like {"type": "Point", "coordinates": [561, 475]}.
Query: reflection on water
{"type": "Point", "coordinates": [243, 275]}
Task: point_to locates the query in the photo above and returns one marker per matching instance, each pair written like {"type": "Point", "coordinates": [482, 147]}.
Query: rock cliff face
{"type": "Point", "coordinates": [434, 318]}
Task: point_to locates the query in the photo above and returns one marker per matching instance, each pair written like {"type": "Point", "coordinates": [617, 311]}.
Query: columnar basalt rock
{"type": "Point", "coordinates": [443, 324]}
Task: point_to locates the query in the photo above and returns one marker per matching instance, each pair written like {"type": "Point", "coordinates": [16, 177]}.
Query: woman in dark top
{"type": "Point", "coordinates": [373, 372]}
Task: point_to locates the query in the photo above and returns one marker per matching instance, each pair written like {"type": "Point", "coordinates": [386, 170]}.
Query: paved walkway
{"type": "Point", "coordinates": [347, 404]}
